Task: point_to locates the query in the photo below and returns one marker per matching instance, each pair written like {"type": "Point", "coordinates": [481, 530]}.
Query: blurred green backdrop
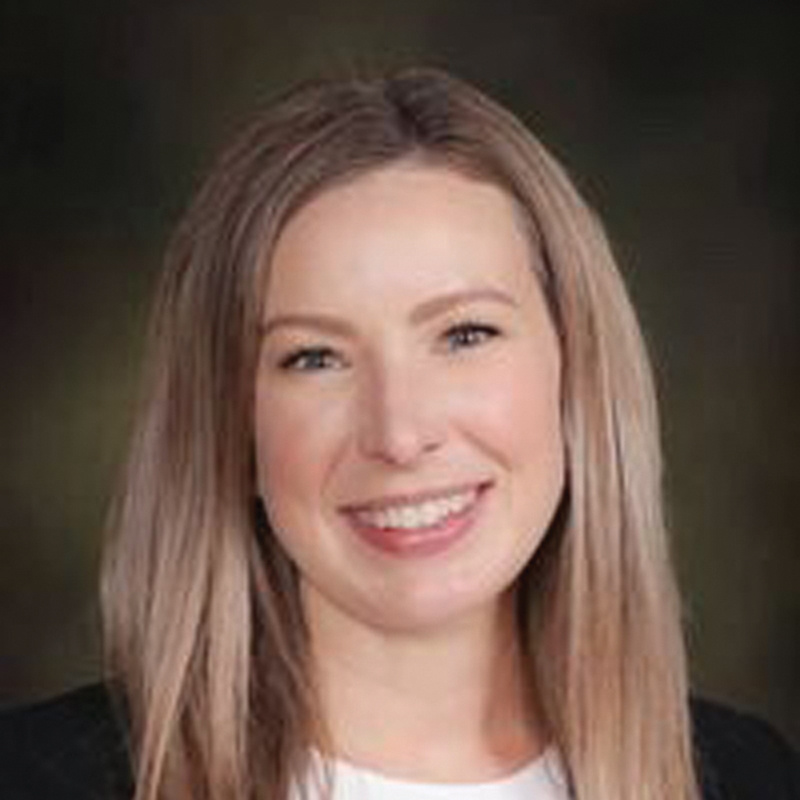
{"type": "Point", "coordinates": [681, 121]}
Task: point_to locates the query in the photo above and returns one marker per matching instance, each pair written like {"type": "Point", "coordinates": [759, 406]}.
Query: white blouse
{"type": "Point", "coordinates": [541, 779]}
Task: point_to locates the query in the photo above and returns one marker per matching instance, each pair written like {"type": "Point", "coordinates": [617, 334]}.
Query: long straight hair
{"type": "Point", "coordinates": [203, 627]}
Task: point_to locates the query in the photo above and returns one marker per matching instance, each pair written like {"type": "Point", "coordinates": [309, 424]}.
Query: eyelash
{"type": "Point", "coordinates": [309, 359]}
{"type": "Point", "coordinates": [462, 336]}
{"type": "Point", "coordinates": [469, 334]}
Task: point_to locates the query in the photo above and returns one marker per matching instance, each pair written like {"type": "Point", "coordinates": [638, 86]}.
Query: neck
{"type": "Point", "coordinates": [450, 704]}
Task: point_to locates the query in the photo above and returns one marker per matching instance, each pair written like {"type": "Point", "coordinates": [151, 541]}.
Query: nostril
{"type": "Point", "coordinates": [399, 438]}
{"type": "Point", "coordinates": [398, 445]}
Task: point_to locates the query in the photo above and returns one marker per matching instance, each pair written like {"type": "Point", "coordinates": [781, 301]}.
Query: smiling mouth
{"type": "Point", "coordinates": [417, 526]}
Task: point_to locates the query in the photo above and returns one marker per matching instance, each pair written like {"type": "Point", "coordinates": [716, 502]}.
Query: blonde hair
{"type": "Point", "coordinates": [203, 627]}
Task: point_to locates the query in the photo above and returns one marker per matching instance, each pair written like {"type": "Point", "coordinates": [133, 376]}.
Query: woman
{"type": "Point", "coordinates": [392, 519]}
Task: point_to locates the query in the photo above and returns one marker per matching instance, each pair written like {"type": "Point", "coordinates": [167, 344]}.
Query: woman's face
{"type": "Point", "coordinates": [408, 432]}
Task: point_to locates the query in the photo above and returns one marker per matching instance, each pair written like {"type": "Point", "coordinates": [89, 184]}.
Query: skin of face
{"type": "Point", "coordinates": [407, 355]}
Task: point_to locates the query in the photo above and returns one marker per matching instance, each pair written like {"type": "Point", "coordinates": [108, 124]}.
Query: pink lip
{"type": "Point", "coordinates": [422, 541]}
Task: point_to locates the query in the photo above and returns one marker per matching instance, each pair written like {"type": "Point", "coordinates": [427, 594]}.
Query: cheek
{"type": "Point", "coordinates": [517, 414]}
{"type": "Point", "coordinates": [286, 470]}
{"type": "Point", "coordinates": [296, 442]}
{"type": "Point", "coordinates": [281, 462]}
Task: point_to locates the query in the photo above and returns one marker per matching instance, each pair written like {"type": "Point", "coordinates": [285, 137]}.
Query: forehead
{"type": "Point", "coordinates": [407, 220]}
{"type": "Point", "coordinates": [413, 182]}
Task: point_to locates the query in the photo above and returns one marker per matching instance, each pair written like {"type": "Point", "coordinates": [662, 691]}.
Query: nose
{"type": "Point", "coordinates": [400, 420]}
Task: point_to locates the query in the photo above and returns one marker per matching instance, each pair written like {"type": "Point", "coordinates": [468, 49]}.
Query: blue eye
{"type": "Point", "coordinates": [311, 359]}
{"type": "Point", "coordinates": [469, 334]}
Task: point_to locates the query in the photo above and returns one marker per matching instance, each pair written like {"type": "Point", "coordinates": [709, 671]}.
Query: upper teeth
{"type": "Point", "coordinates": [417, 515]}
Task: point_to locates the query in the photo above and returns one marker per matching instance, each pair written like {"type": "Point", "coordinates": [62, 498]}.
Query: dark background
{"type": "Point", "coordinates": [681, 121]}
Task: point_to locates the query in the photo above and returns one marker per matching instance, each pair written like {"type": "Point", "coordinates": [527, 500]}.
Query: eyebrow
{"type": "Point", "coordinates": [427, 310]}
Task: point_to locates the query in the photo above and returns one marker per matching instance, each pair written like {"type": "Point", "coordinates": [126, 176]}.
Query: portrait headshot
{"type": "Point", "coordinates": [400, 497]}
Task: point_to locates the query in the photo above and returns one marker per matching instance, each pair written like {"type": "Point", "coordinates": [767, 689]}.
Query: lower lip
{"type": "Point", "coordinates": [421, 541]}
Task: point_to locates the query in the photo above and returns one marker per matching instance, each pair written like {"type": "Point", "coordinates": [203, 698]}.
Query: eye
{"type": "Point", "coordinates": [469, 334]}
{"type": "Point", "coordinates": [311, 359]}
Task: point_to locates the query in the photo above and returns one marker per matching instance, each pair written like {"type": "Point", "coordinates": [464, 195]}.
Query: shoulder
{"type": "Point", "coordinates": [741, 757]}
{"type": "Point", "coordinates": [72, 746]}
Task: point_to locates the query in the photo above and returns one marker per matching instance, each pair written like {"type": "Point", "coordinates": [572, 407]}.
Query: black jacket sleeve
{"type": "Point", "coordinates": [740, 757]}
{"type": "Point", "coordinates": [70, 748]}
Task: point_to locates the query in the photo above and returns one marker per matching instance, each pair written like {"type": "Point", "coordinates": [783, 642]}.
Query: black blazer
{"type": "Point", "coordinates": [73, 748]}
